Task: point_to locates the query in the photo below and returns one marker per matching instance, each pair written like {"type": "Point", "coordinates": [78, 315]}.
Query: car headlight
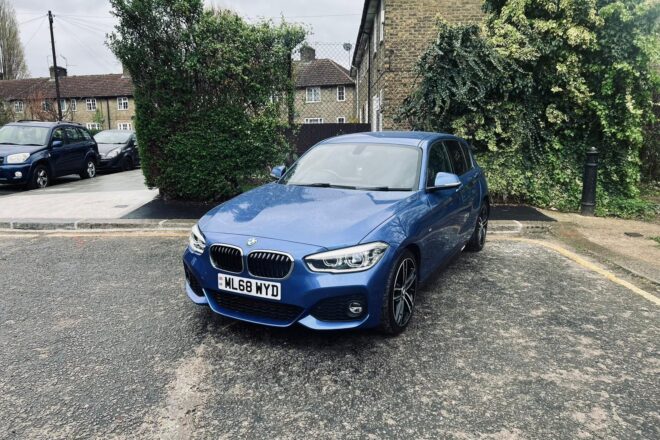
{"type": "Point", "coordinates": [353, 259]}
{"type": "Point", "coordinates": [18, 158]}
{"type": "Point", "coordinates": [114, 153]}
{"type": "Point", "coordinates": [196, 242]}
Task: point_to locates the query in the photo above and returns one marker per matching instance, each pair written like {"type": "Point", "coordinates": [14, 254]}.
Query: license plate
{"type": "Point", "coordinates": [247, 286]}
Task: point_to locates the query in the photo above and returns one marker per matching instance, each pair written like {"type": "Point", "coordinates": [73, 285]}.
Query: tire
{"type": "Point", "coordinates": [478, 239]}
{"type": "Point", "coordinates": [127, 164]}
{"type": "Point", "coordinates": [399, 305]}
{"type": "Point", "coordinates": [40, 178]}
{"type": "Point", "coordinates": [89, 172]}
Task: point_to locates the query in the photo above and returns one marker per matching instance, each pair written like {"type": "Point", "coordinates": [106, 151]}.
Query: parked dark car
{"type": "Point", "coordinates": [118, 149]}
{"type": "Point", "coordinates": [33, 153]}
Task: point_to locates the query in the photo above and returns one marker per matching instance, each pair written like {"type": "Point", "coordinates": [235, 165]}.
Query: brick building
{"type": "Point", "coordinates": [325, 91]}
{"type": "Point", "coordinates": [98, 102]}
{"type": "Point", "coordinates": [392, 37]}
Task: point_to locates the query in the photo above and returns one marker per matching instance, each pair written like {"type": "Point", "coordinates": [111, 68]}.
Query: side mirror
{"type": "Point", "coordinates": [277, 172]}
{"type": "Point", "coordinates": [446, 181]}
{"type": "Point", "coordinates": [56, 143]}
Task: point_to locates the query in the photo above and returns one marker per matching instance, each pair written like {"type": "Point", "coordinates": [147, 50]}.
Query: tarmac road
{"type": "Point", "coordinates": [97, 339]}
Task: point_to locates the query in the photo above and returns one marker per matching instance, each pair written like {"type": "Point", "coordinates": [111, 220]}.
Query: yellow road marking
{"type": "Point", "coordinates": [586, 264]}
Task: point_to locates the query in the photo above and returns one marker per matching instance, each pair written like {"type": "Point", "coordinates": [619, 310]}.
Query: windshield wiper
{"type": "Point", "coordinates": [383, 188]}
{"type": "Point", "coordinates": [326, 185]}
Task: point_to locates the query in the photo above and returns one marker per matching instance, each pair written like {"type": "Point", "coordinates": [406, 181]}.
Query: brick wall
{"type": "Point", "coordinates": [410, 27]}
{"type": "Point", "coordinates": [32, 110]}
{"type": "Point", "coordinates": [329, 108]}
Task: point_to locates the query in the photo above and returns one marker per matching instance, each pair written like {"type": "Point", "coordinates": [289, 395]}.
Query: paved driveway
{"type": "Point", "coordinates": [108, 196]}
{"type": "Point", "coordinates": [98, 340]}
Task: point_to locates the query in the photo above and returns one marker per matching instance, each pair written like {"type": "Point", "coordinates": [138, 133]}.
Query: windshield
{"type": "Point", "coordinates": [23, 135]}
{"type": "Point", "coordinates": [113, 137]}
{"type": "Point", "coordinates": [358, 166]}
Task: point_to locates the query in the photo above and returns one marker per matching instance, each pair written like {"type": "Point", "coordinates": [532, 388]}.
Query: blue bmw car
{"type": "Point", "coordinates": [344, 237]}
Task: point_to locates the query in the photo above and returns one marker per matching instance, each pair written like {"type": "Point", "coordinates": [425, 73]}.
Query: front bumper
{"type": "Point", "coordinates": [314, 300]}
{"type": "Point", "coordinates": [108, 164]}
{"type": "Point", "coordinates": [8, 173]}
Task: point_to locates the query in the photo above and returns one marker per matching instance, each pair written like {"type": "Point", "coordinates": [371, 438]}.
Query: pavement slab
{"type": "Point", "coordinates": [98, 340]}
{"type": "Point", "coordinates": [108, 196]}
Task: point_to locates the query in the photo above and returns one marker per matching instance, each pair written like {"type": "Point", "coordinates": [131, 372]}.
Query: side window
{"type": "Point", "coordinates": [467, 152]}
{"type": "Point", "coordinates": [438, 163]}
{"type": "Point", "coordinates": [84, 134]}
{"type": "Point", "coordinates": [457, 158]}
{"type": "Point", "coordinates": [72, 135]}
{"type": "Point", "coordinates": [58, 135]}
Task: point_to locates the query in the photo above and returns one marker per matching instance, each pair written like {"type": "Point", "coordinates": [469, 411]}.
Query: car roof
{"type": "Point", "coordinates": [47, 124]}
{"type": "Point", "coordinates": [409, 138]}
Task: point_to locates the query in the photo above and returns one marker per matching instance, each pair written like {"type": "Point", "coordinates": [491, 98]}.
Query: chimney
{"type": "Point", "coordinates": [307, 54]}
{"type": "Point", "coordinates": [124, 72]}
{"type": "Point", "coordinates": [61, 72]}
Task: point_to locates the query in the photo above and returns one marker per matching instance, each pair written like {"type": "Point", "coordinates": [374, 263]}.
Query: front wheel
{"type": "Point", "coordinates": [478, 239]}
{"type": "Point", "coordinates": [40, 178]}
{"type": "Point", "coordinates": [89, 171]}
{"type": "Point", "coordinates": [399, 298]}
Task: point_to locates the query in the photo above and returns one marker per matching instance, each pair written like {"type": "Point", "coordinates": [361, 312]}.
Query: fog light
{"type": "Point", "coordinates": [355, 309]}
{"type": "Point", "coordinates": [18, 174]}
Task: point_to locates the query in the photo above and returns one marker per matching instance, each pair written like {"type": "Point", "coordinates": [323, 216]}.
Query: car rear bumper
{"type": "Point", "coordinates": [318, 301]}
{"type": "Point", "coordinates": [8, 173]}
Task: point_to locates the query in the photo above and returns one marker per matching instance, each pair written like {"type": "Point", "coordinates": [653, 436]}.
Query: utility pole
{"type": "Point", "coordinates": [57, 73]}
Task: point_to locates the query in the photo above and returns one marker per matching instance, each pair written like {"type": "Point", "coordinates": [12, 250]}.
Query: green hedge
{"type": "Point", "coordinates": [538, 84]}
{"type": "Point", "coordinates": [210, 92]}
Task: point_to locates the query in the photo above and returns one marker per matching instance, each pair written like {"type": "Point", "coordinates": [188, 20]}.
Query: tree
{"type": "Point", "coordinates": [12, 60]}
{"type": "Point", "coordinates": [206, 120]}
{"type": "Point", "coordinates": [540, 83]}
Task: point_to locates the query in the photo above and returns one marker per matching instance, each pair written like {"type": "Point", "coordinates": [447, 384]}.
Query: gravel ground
{"type": "Point", "coordinates": [97, 339]}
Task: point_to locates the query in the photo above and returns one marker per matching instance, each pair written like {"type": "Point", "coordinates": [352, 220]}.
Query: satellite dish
{"type": "Point", "coordinates": [348, 47]}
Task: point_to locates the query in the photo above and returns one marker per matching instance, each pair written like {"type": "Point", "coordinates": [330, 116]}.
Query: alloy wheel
{"type": "Point", "coordinates": [482, 226]}
{"type": "Point", "coordinates": [405, 285]}
{"type": "Point", "coordinates": [42, 178]}
{"type": "Point", "coordinates": [91, 169]}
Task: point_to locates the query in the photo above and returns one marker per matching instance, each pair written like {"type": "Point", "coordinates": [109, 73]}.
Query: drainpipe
{"type": "Point", "coordinates": [107, 106]}
{"type": "Point", "coordinates": [369, 100]}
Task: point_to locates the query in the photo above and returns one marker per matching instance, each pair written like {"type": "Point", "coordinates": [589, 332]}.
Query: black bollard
{"type": "Point", "coordinates": [589, 183]}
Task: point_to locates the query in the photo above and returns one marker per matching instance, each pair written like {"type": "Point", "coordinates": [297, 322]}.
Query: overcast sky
{"type": "Point", "coordinates": [81, 25]}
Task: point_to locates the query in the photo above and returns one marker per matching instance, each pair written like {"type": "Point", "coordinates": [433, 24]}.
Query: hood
{"type": "Point", "coordinates": [6, 150]}
{"type": "Point", "coordinates": [324, 217]}
{"type": "Point", "coordinates": [106, 148]}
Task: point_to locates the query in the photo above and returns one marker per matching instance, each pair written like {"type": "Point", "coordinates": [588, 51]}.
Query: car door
{"type": "Point", "coordinates": [76, 148]}
{"type": "Point", "coordinates": [466, 193]}
{"type": "Point", "coordinates": [442, 221]}
{"type": "Point", "coordinates": [60, 160]}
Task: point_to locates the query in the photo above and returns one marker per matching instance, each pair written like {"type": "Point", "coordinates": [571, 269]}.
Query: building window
{"type": "Point", "coordinates": [313, 94]}
{"type": "Point", "coordinates": [341, 93]}
{"type": "Point", "coordinates": [341, 120]}
{"type": "Point", "coordinates": [63, 105]}
{"type": "Point", "coordinates": [45, 106]}
{"type": "Point", "coordinates": [313, 120]}
{"type": "Point", "coordinates": [122, 103]}
{"type": "Point", "coordinates": [124, 126]}
{"type": "Point", "coordinates": [91, 104]}
{"type": "Point", "coordinates": [74, 105]}
{"type": "Point", "coordinates": [93, 126]}
{"type": "Point", "coordinates": [19, 107]}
